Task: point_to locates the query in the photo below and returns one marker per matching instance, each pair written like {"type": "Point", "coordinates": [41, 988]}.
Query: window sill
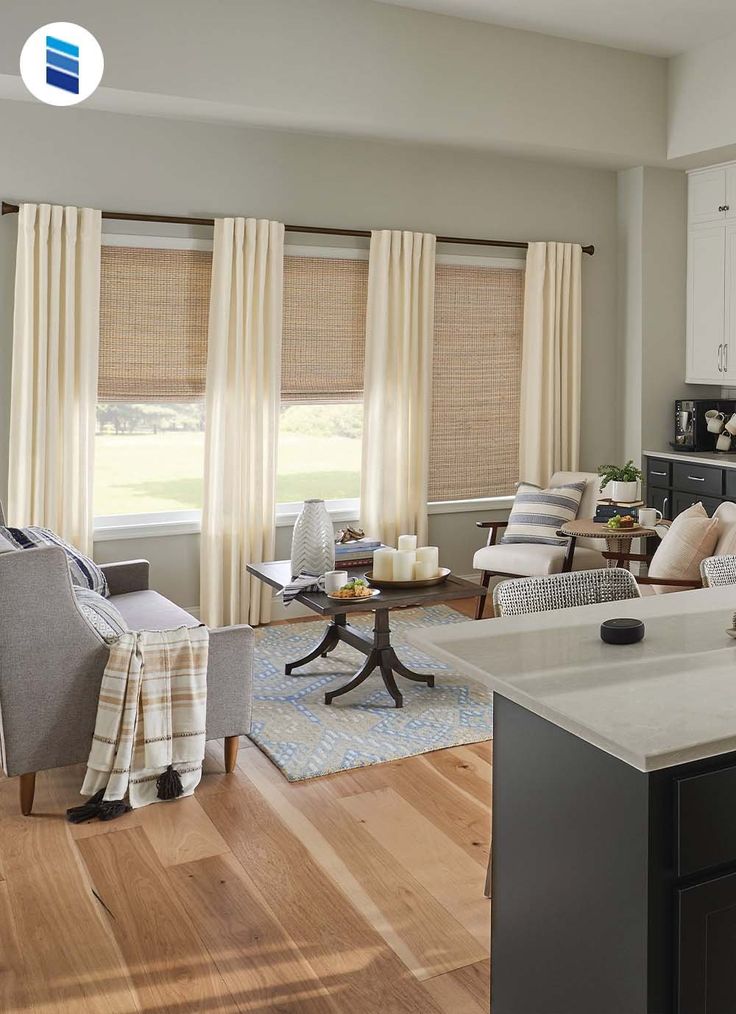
{"type": "Point", "coordinates": [155, 526]}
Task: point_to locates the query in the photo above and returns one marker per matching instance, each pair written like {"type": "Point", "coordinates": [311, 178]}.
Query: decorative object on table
{"type": "Point", "coordinates": [407, 565]}
{"type": "Point", "coordinates": [357, 588]}
{"type": "Point", "coordinates": [349, 534]}
{"type": "Point", "coordinates": [649, 517]}
{"type": "Point", "coordinates": [356, 552]}
{"type": "Point", "coordinates": [624, 480]}
{"type": "Point", "coordinates": [606, 508]}
{"type": "Point", "coordinates": [439, 578]}
{"type": "Point", "coordinates": [333, 580]}
{"type": "Point", "coordinates": [313, 542]}
{"type": "Point", "coordinates": [305, 739]}
{"type": "Point", "coordinates": [537, 514]}
{"type": "Point", "coordinates": [622, 630]}
{"type": "Point", "coordinates": [620, 521]}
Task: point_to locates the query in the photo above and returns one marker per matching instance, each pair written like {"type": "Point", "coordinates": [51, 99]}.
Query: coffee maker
{"type": "Point", "coordinates": [691, 428]}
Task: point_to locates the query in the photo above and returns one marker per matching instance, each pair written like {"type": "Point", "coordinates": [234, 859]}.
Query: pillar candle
{"type": "Point", "coordinates": [424, 570]}
{"type": "Point", "coordinates": [383, 564]}
{"type": "Point", "coordinates": [404, 565]}
{"type": "Point", "coordinates": [408, 542]}
{"type": "Point", "coordinates": [430, 555]}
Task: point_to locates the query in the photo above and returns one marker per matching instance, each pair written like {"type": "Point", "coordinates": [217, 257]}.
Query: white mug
{"type": "Point", "coordinates": [731, 425]}
{"type": "Point", "coordinates": [724, 441]}
{"type": "Point", "coordinates": [715, 420]}
{"type": "Point", "coordinates": [649, 516]}
{"type": "Point", "coordinates": [333, 581]}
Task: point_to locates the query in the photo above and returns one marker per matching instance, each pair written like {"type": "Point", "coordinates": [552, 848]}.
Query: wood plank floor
{"type": "Point", "coordinates": [359, 892]}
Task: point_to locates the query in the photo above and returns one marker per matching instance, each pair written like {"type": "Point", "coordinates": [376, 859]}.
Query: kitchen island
{"type": "Point", "coordinates": [614, 805]}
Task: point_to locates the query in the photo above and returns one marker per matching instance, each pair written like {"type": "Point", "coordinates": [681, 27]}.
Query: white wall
{"type": "Point", "coordinates": [652, 253]}
{"type": "Point", "coordinates": [363, 68]}
{"type": "Point", "coordinates": [701, 126]}
{"type": "Point", "coordinates": [141, 164]}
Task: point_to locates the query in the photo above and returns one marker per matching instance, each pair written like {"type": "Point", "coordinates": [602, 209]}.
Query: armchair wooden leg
{"type": "Point", "coordinates": [27, 792]}
{"type": "Point", "coordinates": [231, 752]}
{"type": "Point", "coordinates": [480, 602]}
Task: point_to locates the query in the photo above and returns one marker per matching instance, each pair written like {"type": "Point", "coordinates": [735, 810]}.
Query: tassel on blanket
{"type": "Point", "coordinates": [168, 785]}
{"type": "Point", "coordinates": [96, 807]}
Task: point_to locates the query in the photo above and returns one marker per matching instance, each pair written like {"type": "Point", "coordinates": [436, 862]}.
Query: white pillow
{"type": "Point", "coordinates": [691, 537]}
{"type": "Point", "coordinates": [537, 513]}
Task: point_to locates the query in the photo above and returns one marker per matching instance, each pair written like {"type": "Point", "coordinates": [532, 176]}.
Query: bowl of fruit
{"type": "Point", "coordinates": [619, 521]}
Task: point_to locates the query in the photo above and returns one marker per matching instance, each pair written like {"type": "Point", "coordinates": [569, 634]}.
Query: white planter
{"type": "Point", "coordinates": [313, 542]}
{"type": "Point", "coordinates": [623, 492]}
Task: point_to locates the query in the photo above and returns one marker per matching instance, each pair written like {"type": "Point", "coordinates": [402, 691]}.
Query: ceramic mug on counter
{"type": "Point", "coordinates": [724, 440]}
{"type": "Point", "coordinates": [714, 420]}
{"type": "Point", "coordinates": [731, 425]}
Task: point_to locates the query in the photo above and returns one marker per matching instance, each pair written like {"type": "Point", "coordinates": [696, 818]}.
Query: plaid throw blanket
{"type": "Point", "coordinates": [150, 731]}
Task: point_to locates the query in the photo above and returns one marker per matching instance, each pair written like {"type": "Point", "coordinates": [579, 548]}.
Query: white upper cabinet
{"type": "Point", "coordinates": [707, 196]}
{"type": "Point", "coordinates": [711, 277]}
{"type": "Point", "coordinates": [706, 275]}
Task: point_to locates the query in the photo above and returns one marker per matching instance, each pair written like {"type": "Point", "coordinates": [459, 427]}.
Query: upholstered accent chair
{"type": "Point", "coordinates": [52, 661]}
{"type": "Point", "coordinates": [497, 559]}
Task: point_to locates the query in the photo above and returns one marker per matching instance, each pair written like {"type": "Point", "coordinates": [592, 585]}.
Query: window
{"type": "Point", "coordinates": [149, 447]}
{"type": "Point", "coordinates": [320, 432]}
{"type": "Point", "coordinates": [474, 443]}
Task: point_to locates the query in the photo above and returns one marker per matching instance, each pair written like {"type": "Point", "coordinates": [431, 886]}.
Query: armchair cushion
{"type": "Point", "coordinates": [533, 559]}
{"type": "Point", "coordinates": [537, 513]}
{"type": "Point", "coordinates": [691, 537]}
{"type": "Point", "coordinates": [84, 572]}
{"type": "Point", "coordinates": [147, 610]}
{"type": "Point", "coordinates": [101, 614]}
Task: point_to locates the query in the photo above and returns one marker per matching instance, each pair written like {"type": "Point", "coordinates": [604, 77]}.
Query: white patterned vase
{"type": "Point", "coordinates": [313, 542]}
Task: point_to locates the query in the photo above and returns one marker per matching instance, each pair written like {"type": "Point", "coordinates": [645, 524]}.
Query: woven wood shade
{"type": "Point", "coordinates": [154, 305]}
{"type": "Point", "coordinates": [323, 343]}
{"type": "Point", "coordinates": [474, 446]}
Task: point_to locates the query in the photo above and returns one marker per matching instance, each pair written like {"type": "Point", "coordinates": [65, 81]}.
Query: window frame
{"type": "Point", "coordinates": [113, 527]}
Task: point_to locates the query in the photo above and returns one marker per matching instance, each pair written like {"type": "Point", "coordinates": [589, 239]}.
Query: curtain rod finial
{"type": "Point", "coordinates": [9, 209]}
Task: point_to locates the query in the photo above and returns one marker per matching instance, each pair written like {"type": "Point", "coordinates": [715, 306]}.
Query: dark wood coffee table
{"type": "Point", "coordinates": [377, 649]}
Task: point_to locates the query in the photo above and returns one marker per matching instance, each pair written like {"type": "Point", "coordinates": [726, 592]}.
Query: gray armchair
{"type": "Point", "coordinates": [52, 661]}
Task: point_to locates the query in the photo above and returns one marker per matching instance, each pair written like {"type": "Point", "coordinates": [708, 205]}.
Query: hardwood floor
{"type": "Point", "coordinates": [359, 892]}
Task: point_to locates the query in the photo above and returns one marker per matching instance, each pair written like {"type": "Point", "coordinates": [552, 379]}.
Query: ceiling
{"type": "Point", "coordinates": [659, 27]}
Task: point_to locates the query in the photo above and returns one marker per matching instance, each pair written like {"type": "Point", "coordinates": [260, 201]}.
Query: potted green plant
{"type": "Point", "coordinates": [624, 481]}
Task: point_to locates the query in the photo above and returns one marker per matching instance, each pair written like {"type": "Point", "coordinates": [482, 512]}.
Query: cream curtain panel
{"type": "Point", "coordinates": [242, 412]}
{"type": "Point", "coordinates": [549, 419]}
{"type": "Point", "coordinates": [54, 370]}
{"type": "Point", "coordinates": [397, 385]}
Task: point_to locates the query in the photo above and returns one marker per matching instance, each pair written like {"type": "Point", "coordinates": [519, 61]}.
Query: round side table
{"type": "Point", "coordinates": [618, 540]}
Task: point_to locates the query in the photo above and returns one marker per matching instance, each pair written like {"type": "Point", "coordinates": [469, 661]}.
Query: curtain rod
{"type": "Point", "coordinates": [127, 216]}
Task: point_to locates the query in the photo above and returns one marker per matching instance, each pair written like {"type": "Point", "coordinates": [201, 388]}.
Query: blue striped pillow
{"type": "Point", "coordinates": [537, 513]}
{"type": "Point", "coordinates": [84, 572]}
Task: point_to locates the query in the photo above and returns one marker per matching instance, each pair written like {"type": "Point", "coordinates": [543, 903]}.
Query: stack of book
{"type": "Point", "coordinates": [357, 553]}
{"type": "Point", "coordinates": [606, 509]}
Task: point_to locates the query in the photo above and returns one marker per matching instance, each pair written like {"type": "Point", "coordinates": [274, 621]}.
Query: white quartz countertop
{"type": "Point", "coordinates": [667, 700]}
{"type": "Point", "coordinates": [724, 459]}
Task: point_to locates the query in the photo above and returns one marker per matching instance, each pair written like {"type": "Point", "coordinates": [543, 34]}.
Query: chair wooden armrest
{"type": "Point", "coordinates": [639, 557]}
{"type": "Point", "coordinates": [493, 527]}
{"type": "Point", "coordinates": [669, 582]}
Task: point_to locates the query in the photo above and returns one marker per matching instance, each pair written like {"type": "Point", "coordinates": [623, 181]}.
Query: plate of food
{"type": "Point", "coordinates": [354, 591]}
{"type": "Point", "coordinates": [619, 521]}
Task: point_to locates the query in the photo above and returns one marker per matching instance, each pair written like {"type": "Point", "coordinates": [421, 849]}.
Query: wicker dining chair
{"type": "Point", "coordinates": [559, 591]}
{"type": "Point", "coordinates": [717, 571]}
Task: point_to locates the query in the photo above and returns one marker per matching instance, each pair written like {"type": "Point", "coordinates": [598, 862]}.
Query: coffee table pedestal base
{"type": "Point", "coordinates": [378, 651]}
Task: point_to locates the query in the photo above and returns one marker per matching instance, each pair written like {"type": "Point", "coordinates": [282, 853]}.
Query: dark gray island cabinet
{"type": "Point", "coordinates": [614, 806]}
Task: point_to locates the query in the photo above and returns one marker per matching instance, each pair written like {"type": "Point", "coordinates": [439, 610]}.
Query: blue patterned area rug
{"type": "Point", "coordinates": [305, 738]}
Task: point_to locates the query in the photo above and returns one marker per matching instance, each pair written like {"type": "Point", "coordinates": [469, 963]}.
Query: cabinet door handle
{"type": "Point", "coordinates": [719, 358]}
{"type": "Point", "coordinates": [663, 474]}
{"type": "Point", "coordinates": [696, 478]}
{"type": "Point", "coordinates": [725, 358]}
{"type": "Point", "coordinates": [723, 207]}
